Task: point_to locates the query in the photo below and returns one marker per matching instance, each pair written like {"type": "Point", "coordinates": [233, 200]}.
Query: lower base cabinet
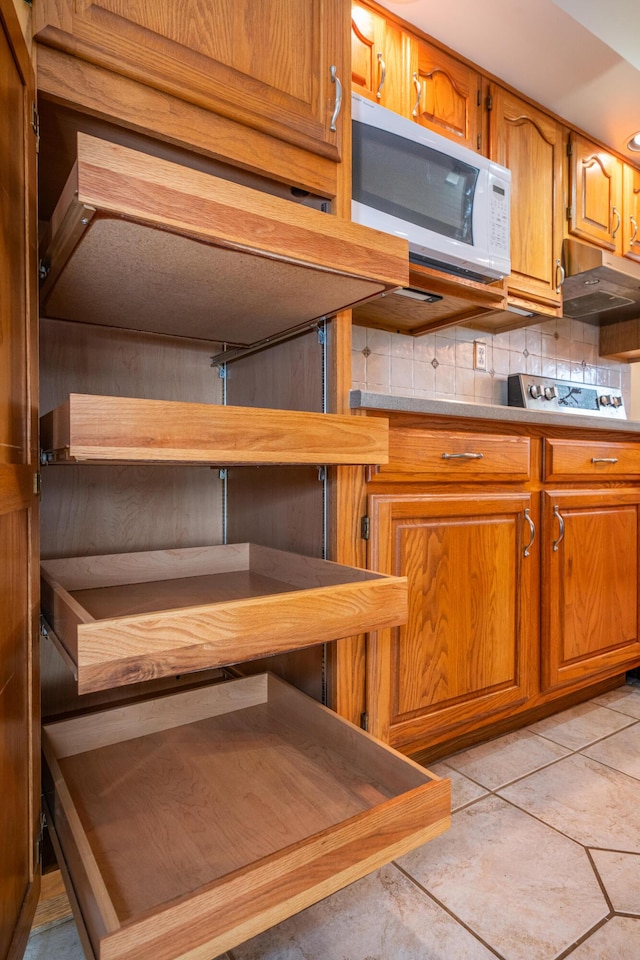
{"type": "Point", "coordinates": [190, 823]}
{"type": "Point", "coordinates": [465, 651]}
{"type": "Point", "coordinates": [591, 583]}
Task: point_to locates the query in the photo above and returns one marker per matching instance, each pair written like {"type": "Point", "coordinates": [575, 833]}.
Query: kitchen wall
{"type": "Point", "coordinates": [440, 365]}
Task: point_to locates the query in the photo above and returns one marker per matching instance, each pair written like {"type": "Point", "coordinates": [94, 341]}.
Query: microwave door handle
{"type": "Point", "coordinates": [416, 110]}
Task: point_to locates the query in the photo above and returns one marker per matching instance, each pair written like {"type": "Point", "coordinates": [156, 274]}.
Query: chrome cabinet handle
{"type": "Point", "coordinates": [604, 459]}
{"type": "Point", "coordinates": [532, 528]}
{"type": "Point", "coordinates": [416, 110]}
{"type": "Point", "coordinates": [336, 110]}
{"type": "Point", "coordinates": [462, 456]}
{"type": "Point", "coordinates": [560, 271]}
{"type": "Point", "coordinates": [556, 543]}
{"type": "Point", "coordinates": [617, 226]}
{"type": "Point", "coordinates": [383, 76]}
{"type": "Point", "coordinates": [635, 232]}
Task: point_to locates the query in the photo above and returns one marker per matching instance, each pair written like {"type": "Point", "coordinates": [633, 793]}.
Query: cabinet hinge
{"type": "Point", "coordinates": [364, 720]}
{"type": "Point", "coordinates": [489, 102]}
{"type": "Point", "coordinates": [479, 98]}
{"type": "Point", "coordinates": [365, 527]}
{"type": "Point", "coordinates": [569, 213]}
{"type": "Point", "coordinates": [569, 148]}
{"type": "Point", "coordinates": [478, 142]}
{"type": "Point", "coordinates": [36, 483]}
{"type": "Point", "coordinates": [35, 125]}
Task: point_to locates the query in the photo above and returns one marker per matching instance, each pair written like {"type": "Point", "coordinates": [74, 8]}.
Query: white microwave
{"type": "Point", "coordinates": [451, 204]}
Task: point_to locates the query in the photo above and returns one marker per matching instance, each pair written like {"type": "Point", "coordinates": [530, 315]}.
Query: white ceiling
{"type": "Point", "coordinates": [579, 58]}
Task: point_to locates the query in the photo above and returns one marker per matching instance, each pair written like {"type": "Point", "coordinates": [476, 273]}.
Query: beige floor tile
{"type": "Point", "coordinates": [580, 725]}
{"type": "Point", "coordinates": [525, 890]}
{"type": "Point", "coordinates": [382, 917]}
{"type": "Point", "coordinates": [618, 939]}
{"type": "Point", "coordinates": [620, 751]}
{"type": "Point", "coordinates": [463, 790]}
{"type": "Point", "coordinates": [585, 800]}
{"type": "Point", "coordinates": [625, 699]}
{"type": "Point", "coordinates": [59, 941]}
{"type": "Point", "coordinates": [507, 758]}
{"type": "Point", "coordinates": [620, 874]}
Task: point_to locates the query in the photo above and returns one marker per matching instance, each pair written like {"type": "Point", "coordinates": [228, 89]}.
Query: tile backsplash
{"type": "Point", "coordinates": [440, 365]}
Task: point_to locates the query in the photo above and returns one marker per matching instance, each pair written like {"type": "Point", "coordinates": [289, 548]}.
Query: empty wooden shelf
{"type": "Point", "coordinates": [190, 823]}
{"type": "Point", "coordinates": [96, 428]}
{"type": "Point", "coordinates": [129, 617]}
{"type": "Point", "coordinates": [140, 242]}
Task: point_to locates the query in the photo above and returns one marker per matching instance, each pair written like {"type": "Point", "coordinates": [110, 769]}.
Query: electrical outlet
{"type": "Point", "coordinates": [479, 355]}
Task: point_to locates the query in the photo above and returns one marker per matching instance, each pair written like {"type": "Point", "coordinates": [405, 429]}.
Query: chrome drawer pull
{"type": "Point", "coordinates": [556, 543]}
{"type": "Point", "coordinates": [383, 76]}
{"type": "Point", "coordinates": [462, 456]}
{"type": "Point", "coordinates": [416, 82]}
{"type": "Point", "coordinates": [604, 459]}
{"type": "Point", "coordinates": [532, 528]}
{"type": "Point", "coordinates": [338, 104]}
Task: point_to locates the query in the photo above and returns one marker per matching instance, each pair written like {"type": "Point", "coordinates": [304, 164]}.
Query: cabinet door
{"type": "Point", "coordinates": [465, 651]}
{"type": "Point", "coordinates": [595, 181]}
{"type": "Point", "coordinates": [590, 584]}
{"type": "Point", "coordinates": [530, 144]}
{"type": "Point", "coordinates": [446, 94]}
{"type": "Point", "coordinates": [19, 702]}
{"type": "Point", "coordinates": [631, 213]}
{"type": "Point", "coordinates": [379, 66]}
{"type": "Point", "coordinates": [265, 64]}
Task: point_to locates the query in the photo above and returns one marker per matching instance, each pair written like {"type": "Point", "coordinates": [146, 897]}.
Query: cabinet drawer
{"type": "Point", "coordinates": [129, 617]}
{"type": "Point", "coordinates": [190, 823]}
{"type": "Point", "coordinates": [418, 455]}
{"type": "Point", "coordinates": [579, 459]}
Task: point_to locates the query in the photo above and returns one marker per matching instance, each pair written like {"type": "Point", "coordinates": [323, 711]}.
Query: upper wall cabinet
{"type": "Point", "coordinates": [379, 59]}
{"type": "Point", "coordinates": [266, 65]}
{"type": "Point", "coordinates": [595, 194]}
{"type": "Point", "coordinates": [631, 212]}
{"type": "Point", "coordinates": [446, 94]}
{"type": "Point", "coordinates": [530, 144]}
{"type": "Point", "coordinates": [604, 200]}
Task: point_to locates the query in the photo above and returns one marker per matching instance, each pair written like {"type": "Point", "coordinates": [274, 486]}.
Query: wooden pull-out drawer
{"type": "Point", "coordinates": [591, 460]}
{"type": "Point", "coordinates": [123, 429]}
{"type": "Point", "coordinates": [439, 455]}
{"type": "Point", "coordinates": [129, 617]}
{"type": "Point", "coordinates": [191, 823]}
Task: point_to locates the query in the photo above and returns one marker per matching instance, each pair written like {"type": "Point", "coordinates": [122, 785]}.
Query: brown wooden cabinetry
{"type": "Point", "coordinates": [465, 651]}
{"type": "Point", "coordinates": [530, 144]}
{"type": "Point", "coordinates": [265, 65]}
{"type": "Point", "coordinates": [604, 198]}
{"type": "Point", "coordinates": [379, 59]}
{"type": "Point", "coordinates": [446, 94]}
{"type": "Point", "coordinates": [591, 583]}
{"type": "Point", "coordinates": [522, 555]}
{"type": "Point", "coordinates": [631, 212]}
{"type": "Point", "coordinates": [595, 194]}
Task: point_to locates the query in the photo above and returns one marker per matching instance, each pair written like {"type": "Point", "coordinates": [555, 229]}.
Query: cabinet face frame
{"type": "Point", "coordinates": [391, 514]}
{"type": "Point", "coordinates": [582, 533]}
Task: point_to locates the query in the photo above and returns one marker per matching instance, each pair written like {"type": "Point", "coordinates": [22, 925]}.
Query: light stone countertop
{"type": "Point", "coordinates": [362, 399]}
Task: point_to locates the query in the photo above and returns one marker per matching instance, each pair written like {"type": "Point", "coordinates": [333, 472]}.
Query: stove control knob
{"type": "Point", "coordinates": [605, 400]}
{"type": "Point", "coordinates": [535, 390]}
{"type": "Point", "coordinates": [616, 401]}
{"type": "Point", "coordinates": [550, 393]}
